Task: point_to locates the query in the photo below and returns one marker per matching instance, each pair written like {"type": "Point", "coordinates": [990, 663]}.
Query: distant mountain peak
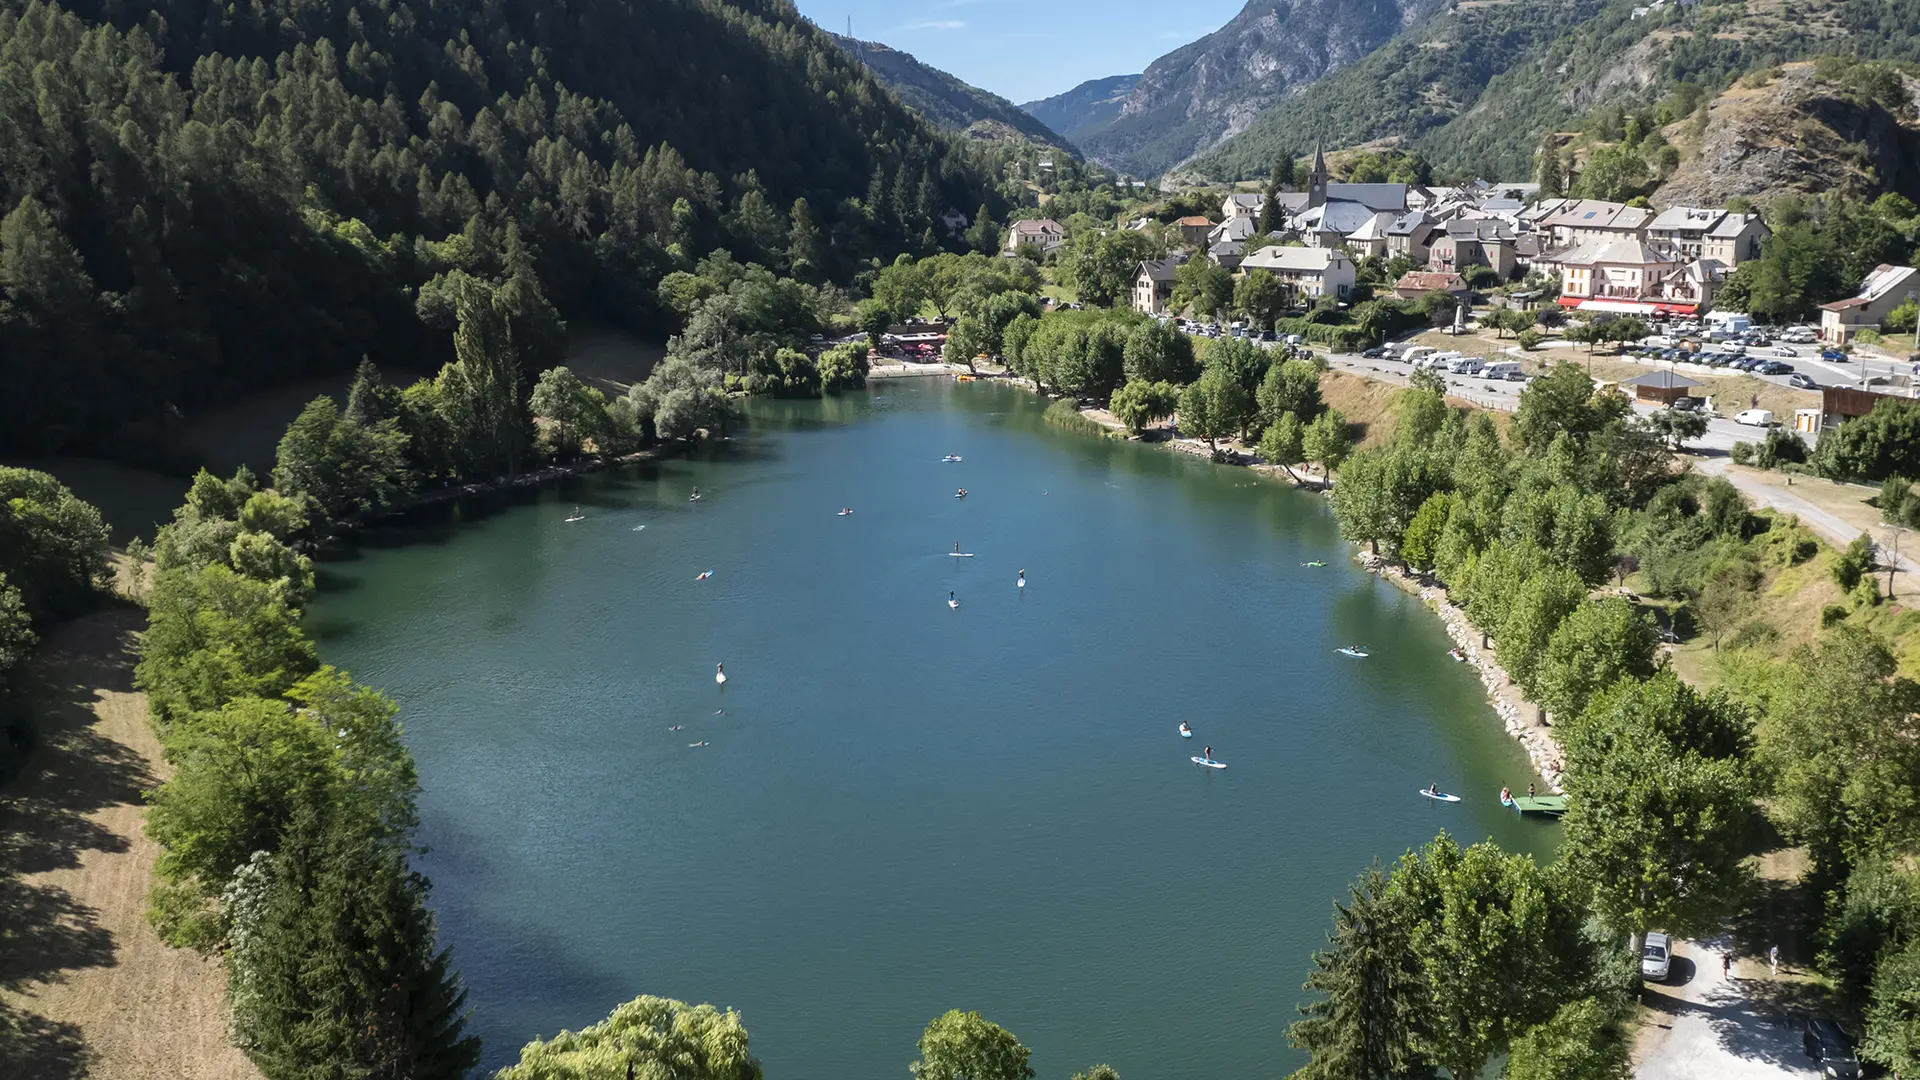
{"type": "Point", "coordinates": [1201, 93]}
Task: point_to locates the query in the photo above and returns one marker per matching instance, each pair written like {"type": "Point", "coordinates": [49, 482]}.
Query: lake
{"type": "Point", "coordinates": [906, 808]}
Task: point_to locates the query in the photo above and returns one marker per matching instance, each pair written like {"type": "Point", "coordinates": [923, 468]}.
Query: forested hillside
{"type": "Point", "coordinates": [1477, 88]}
{"type": "Point", "coordinates": [200, 198]}
{"type": "Point", "coordinates": [944, 100]}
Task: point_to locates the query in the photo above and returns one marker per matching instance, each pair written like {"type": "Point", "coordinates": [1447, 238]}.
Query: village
{"type": "Point", "coordinates": [1496, 247]}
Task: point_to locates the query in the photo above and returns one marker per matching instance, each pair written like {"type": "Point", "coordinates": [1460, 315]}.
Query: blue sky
{"type": "Point", "coordinates": [980, 40]}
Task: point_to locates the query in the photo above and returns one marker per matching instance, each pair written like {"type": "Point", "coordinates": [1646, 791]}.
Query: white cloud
{"type": "Point", "coordinates": [932, 24]}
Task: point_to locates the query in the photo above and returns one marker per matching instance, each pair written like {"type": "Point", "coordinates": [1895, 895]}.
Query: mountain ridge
{"type": "Point", "coordinates": [1208, 90]}
{"type": "Point", "coordinates": [1085, 108]}
{"type": "Point", "coordinates": [945, 100]}
{"type": "Point", "coordinates": [1476, 88]}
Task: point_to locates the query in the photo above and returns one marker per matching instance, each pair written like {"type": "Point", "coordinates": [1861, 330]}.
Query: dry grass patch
{"type": "Point", "coordinates": [86, 988]}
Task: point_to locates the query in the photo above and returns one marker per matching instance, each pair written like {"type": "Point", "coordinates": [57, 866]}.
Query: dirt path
{"type": "Point", "coordinates": [86, 989]}
{"type": "Point", "coordinates": [1703, 1026]}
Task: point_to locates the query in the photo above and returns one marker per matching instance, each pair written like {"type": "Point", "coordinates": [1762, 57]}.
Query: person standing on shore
{"type": "Point", "coordinates": [1773, 959]}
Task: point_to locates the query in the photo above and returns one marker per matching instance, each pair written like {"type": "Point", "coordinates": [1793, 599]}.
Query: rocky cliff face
{"type": "Point", "coordinates": [1086, 108]}
{"type": "Point", "coordinates": [1199, 94]}
{"type": "Point", "coordinates": [1801, 134]}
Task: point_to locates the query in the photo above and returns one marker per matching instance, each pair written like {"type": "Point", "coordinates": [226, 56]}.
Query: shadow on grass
{"type": "Point", "coordinates": [47, 813]}
{"type": "Point", "coordinates": [33, 1046]}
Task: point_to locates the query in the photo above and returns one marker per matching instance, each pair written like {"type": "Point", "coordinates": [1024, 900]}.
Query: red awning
{"type": "Point", "coordinates": [1678, 309]}
{"type": "Point", "coordinates": [1569, 301]}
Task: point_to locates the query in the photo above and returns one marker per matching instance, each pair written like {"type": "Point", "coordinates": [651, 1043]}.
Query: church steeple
{"type": "Point", "coordinates": [1317, 180]}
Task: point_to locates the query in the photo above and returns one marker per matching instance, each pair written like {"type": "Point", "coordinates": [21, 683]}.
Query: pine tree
{"type": "Point", "coordinates": [1271, 218]}
{"type": "Point", "coordinates": [341, 971]}
{"type": "Point", "coordinates": [1549, 170]}
{"type": "Point", "coordinates": [1368, 1023]}
{"type": "Point", "coordinates": [369, 399]}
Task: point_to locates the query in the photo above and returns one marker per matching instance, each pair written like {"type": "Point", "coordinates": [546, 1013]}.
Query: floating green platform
{"type": "Point", "coordinates": [1540, 805]}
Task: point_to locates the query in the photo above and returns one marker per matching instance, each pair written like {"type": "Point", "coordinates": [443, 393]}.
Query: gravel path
{"type": "Point", "coordinates": [1702, 1026]}
{"type": "Point", "coordinates": [86, 989]}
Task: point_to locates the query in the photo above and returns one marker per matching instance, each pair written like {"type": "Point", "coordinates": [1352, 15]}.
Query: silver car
{"type": "Point", "coordinates": [1656, 958]}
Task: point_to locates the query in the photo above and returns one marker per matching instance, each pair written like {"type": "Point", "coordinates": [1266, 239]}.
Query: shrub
{"type": "Point", "coordinates": [1753, 635]}
{"type": "Point", "coordinates": [1832, 615]}
{"type": "Point", "coordinates": [1854, 564]}
{"type": "Point", "coordinates": [1530, 339]}
{"type": "Point", "coordinates": [1742, 453]}
{"type": "Point", "coordinates": [1780, 447]}
{"type": "Point", "coordinates": [1065, 413]}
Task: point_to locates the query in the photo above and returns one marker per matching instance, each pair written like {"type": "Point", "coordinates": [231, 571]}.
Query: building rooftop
{"type": "Point", "coordinates": [1276, 257]}
{"type": "Point", "coordinates": [1660, 380]}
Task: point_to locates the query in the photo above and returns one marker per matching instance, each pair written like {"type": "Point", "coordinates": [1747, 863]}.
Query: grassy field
{"type": "Point", "coordinates": [86, 987]}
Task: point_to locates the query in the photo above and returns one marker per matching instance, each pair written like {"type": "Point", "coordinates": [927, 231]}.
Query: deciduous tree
{"type": "Point", "coordinates": [964, 1046]}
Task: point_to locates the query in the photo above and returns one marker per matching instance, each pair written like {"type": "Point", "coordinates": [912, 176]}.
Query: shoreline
{"type": "Point", "coordinates": [1509, 703]}
{"type": "Point", "coordinates": [1506, 697]}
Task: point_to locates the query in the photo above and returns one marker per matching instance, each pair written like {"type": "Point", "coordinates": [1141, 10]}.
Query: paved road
{"type": "Point", "coordinates": [1701, 1026]}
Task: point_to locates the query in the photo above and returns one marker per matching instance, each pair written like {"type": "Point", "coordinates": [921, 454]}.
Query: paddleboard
{"type": "Point", "coordinates": [1361, 653]}
{"type": "Point", "coordinates": [638, 528]}
{"type": "Point", "coordinates": [1186, 734]}
{"type": "Point", "coordinates": [693, 498]}
{"type": "Point", "coordinates": [953, 603]}
{"type": "Point", "coordinates": [1021, 584]}
{"type": "Point", "coordinates": [571, 520]}
{"type": "Point", "coordinates": [950, 458]}
{"type": "Point", "coordinates": [959, 554]}
{"type": "Point", "coordinates": [1440, 797]}
{"type": "Point", "coordinates": [1209, 764]}
{"type": "Point", "coordinates": [844, 513]}
{"type": "Point", "coordinates": [703, 575]}
{"type": "Point", "coordinates": [720, 677]}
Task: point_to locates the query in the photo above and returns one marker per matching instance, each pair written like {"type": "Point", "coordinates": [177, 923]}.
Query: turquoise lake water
{"type": "Point", "coordinates": [906, 808]}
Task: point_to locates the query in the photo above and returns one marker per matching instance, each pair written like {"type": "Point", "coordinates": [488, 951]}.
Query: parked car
{"type": "Point", "coordinates": [1754, 417]}
{"type": "Point", "coordinates": [1803, 382]}
{"type": "Point", "coordinates": [1833, 356]}
{"type": "Point", "coordinates": [1517, 376]}
{"type": "Point", "coordinates": [1774, 367]}
{"type": "Point", "coordinates": [1829, 1047]}
{"type": "Point", "coordinates": [1685, 404]}
{"type": "Point", "coordinates": [1785, 350]}
{"type": "Point", "coordinates": [1378, 352]}
{"type": "Point", "coordinates": [1656, 958]}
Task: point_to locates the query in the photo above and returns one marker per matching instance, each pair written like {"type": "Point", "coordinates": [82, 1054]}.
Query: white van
{"type": "Point", "coordinates": [1500, 369]}
{"type": "Point", "coordinates": [1466, 365]}
{"type": "Point", "coordinates": [1754, 417]}
{"type": "Point", "coordinates": [1418, 353]}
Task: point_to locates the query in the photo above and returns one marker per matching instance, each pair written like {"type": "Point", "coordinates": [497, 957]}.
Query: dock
{"type": "Point", "coordinates": [1549, 806]}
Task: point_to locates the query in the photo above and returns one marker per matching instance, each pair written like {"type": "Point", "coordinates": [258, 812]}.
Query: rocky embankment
{"type": "Point", "coordinates": [1521, 717]}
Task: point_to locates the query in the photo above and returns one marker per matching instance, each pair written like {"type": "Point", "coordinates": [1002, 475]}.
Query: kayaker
{"type": "Point", "coordinates": [1505, 796]}
{"type": "Point", "coordinates": [1184, 729]}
